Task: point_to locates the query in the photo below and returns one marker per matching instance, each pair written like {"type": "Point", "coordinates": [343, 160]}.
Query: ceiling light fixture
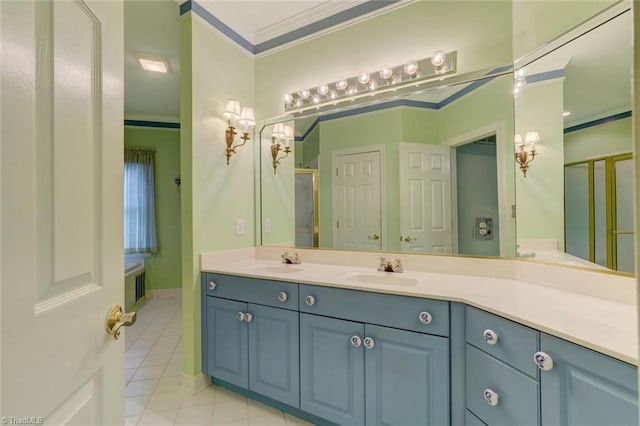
{"type": "Point", "coordinates": [153, 63]}
{"type": "Point", "coordinates": [409, 74]}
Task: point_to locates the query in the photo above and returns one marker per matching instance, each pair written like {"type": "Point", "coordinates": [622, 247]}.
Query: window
{"type": "Point", "coordinates": [139, 203]}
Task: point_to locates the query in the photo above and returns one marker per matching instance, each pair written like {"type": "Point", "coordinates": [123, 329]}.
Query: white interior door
{"type": "Point", "coordinates": [61, 210]}
{"type": "Point", "coordinates": [358, 201]}
{"type": "Point", "coordinates": [425, 198]}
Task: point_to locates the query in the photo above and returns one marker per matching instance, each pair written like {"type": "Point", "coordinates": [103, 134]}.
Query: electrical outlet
{"type": "Point", "coordinates": [483, 228]}
{"type": "Point", "coordinates": [239, 227]}
{"type": "Point", "coordinates": [267, 225]}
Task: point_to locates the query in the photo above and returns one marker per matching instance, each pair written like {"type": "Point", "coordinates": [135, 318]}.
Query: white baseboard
{"type": "Point", "coordinates": [167, 292]}
{"type": "Point", "coordinates": [194, 384]}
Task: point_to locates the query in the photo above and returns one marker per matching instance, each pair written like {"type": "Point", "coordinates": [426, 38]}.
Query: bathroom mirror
{"type": "Point", "coordinates": [428, 171]}
{"type": "Point", "coordinates": [551, 80]}
{"type": "Point", "coordinates": [575, 204]}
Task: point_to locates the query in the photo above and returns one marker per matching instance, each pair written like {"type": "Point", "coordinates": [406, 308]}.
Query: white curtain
{"type": "Point", "coordinates": [139, 204]}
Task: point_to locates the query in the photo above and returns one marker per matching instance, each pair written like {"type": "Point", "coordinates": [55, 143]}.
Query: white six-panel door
{"type": "Point", "coordinates": [61, 210]}
{"type": "Point", "coordinates": [357, 212]}
{"type": "Point", "coordinates": [425, 198]}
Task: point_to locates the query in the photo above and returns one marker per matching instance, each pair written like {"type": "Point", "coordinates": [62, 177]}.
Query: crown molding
{"type": "Point", "coordinates": [303, 19]}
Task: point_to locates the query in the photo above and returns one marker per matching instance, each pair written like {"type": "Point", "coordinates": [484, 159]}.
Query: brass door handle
{"type": "Point", "coordinates": [407, 239]}
{"type": "Point", "coordinates": [374, 237]}
{"type": "Point", "coordinates": [116, 319]}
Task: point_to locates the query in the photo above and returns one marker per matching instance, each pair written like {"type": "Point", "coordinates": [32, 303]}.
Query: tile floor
{"type": "Point", "coordinates": [153, 368]}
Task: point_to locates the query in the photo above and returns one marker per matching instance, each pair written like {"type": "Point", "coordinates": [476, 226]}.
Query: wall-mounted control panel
{"type": "Point", "coordinates": [483, 229]}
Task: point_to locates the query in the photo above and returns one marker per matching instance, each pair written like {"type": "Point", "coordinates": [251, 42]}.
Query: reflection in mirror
{"type": "Point", "coordinates": [430, 171]}
{"type": "Point", "coordinates": [578, 98]}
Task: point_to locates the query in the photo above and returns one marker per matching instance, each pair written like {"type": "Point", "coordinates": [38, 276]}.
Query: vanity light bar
{"type": "Point", "coordinates": [387, 79]}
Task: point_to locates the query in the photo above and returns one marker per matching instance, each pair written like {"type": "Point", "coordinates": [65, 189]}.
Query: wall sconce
{"type": "Point", "coordinates": [280, 133]}
{"type": "Point", "coordinates": [245, 117]}
{"type": "Point", "coordinates": [526, 151]}
{"type": "Point", "coordinates": [411, 73]}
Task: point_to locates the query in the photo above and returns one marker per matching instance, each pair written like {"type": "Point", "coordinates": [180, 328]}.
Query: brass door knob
{"type": "Point", "coordinates": [374, 237]}
{"type": "Point", "coordinates": [116, 319]}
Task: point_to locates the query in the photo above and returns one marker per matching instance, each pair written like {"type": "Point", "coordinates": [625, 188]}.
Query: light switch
{"type": "Point", "coordinates": [267, 225]}
{"type": "Point", "coordinates": [239, 227]}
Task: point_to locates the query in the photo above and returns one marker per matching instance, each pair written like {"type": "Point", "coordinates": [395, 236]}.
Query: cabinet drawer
{"type": "Point", "coordinates": [252, 290]}
{"type": "Point", "coordinates": [515, 343]}
{"type": "Point", "coordinates": [375, 308]}
{"type": "Point", "coordinates": [517, 393]}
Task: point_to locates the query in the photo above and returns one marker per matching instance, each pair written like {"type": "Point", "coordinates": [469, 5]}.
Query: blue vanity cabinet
{"type": "Point", "coordinates": [226, 344]}
{"type": "Point", "coordinates": [502, 382]}
{"type": "Point", "coordinates": [332, 369]}
{"type": "Point", "coordinates": [355, 372]}
{"type": "Point", "coordinates": [250, 345]}
{"type": "Point", "coordinates": [406, 377]}
{"type": "Point", "coordinates": [583, 387]}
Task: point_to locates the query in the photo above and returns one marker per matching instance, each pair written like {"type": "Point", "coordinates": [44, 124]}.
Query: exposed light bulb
{"type": "Point", "coordinates": [342, 85]}
{"type": "Point", "coordinates": [438, 58]}
{"type": "Point", "coordinates": [411, 68]}
{"type": "Point", "coordinates": [333, 94]}
{"type": "Point", "coordinates": [323, 90]}
{"type": "Point", "coordinates": [315, 99]}
{"type": "Point", "coordinates": [364, 78]}
{"type": "Point", "coordinates": [386, 72]}
{"type": "Point", "coordinates": [304, 94]}
{"type": "Point", "coordinates": [288, 98]}
{"type": "Point", "coordinates": [298, 103]}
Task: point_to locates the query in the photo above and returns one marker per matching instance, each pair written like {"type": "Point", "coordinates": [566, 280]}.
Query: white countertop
{"type": "Point", "coordinates": [573, 311]}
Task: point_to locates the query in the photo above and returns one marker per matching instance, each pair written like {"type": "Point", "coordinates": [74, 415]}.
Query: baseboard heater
{"type": "Point", "coordinates": [140, 279]}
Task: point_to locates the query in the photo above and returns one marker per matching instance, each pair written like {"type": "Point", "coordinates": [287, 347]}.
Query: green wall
{"type": "Point", "coordinates": [163, 267]}
{"type": "Point", "coordinates": [213, 194]}
{"type": "Point", "coordinates": [540, 195]}
{"type": "Point", "coordinates": [537, 22]}
{"type": "Point", "coordinates": [599, 141]}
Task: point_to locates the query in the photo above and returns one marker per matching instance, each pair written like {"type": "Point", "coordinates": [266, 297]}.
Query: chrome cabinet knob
{"type": "Point", "coordinates": [240, 316]}
{"type": "Point", "coordinates": [310, 300]}
{"type": "Point", "coordinates": [491, 397]}
{"type": "Point", "coordinates": [248, 317]}
{"type": "Point", "coordinates": [490, 337]}
{"type": "Point", "coordinates": [212, 285]}
{"type": "Point", "coordinates": [282, 296]}
{"type": "Point", "coordinates": [425, 317]}
{"type": "Point", "coordinates": [543, 360]}
{"type": "Point", "coordinates": [356, 341]}
{"type": "Point", "coordinates": [369, 343]}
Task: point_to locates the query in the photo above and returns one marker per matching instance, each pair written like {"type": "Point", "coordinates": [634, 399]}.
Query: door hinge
{"type": "Point", "coordinates": [338, 224]}
{"type": "Point", "coordinates": [513, 211]}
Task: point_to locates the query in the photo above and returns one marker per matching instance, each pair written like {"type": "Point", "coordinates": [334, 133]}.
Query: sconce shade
{"type": "Point", "coordinates": [532, 138]}
{"type": "Point", "coordinates": [233, 109]}
{"type": "Point", "coordinates": [278, 130]}
{"type": "Point", "coordinates": [247, 117]}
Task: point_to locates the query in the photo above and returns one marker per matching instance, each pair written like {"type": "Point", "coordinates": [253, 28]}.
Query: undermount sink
{"type": "Point", "coordinates": [278, 269]}
{"type": "Point", "coordinates": [388, 278]}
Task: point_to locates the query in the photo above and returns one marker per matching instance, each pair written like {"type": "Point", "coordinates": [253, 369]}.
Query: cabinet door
{"type": "Point", "coordinates": [227, 342]}
{"type": "Point", "coordinates": [331, 369]}
{"type": "Point", "coordinates": [407, 378]}
{"type": "Point", "coordinates": [274, 354]}
{"type": "Point", "coordinates": [586, 388]}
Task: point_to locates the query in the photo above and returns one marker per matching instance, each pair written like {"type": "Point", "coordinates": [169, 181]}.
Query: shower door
{"type": "Point", "coordinates": [306, 205]}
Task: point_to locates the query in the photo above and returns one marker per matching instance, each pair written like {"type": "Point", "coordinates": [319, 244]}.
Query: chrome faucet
{"type": "Point", "coordinates": [390, 265]}
{"type": "Point", "coordinates": [293, 259]}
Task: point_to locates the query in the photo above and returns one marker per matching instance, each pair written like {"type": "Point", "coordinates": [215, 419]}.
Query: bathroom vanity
{"type": "Point", "coordinates": [345, 344]}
